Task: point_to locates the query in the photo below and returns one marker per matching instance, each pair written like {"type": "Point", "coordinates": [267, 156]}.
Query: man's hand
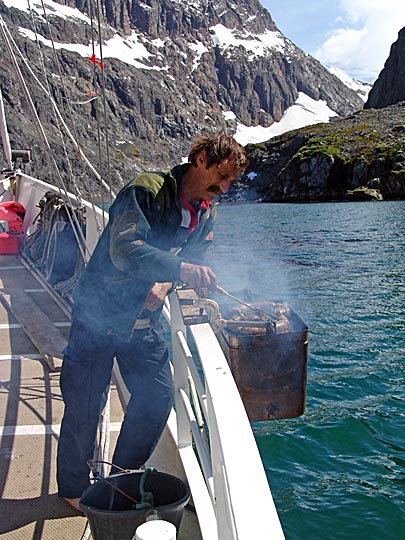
{"type": "Point", "coordinates": [198, 277]}
{"type": "Point", "coordinates": [156, 296]}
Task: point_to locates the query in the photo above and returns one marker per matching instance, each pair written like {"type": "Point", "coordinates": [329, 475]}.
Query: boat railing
{"type": "Point", "coordinates": [214, 436]}
{"type": "Point", "coordinates": [28, 192]}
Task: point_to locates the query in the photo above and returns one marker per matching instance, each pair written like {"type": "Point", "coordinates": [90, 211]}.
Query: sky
{"type": "Point", "coordinates": [352, 35]}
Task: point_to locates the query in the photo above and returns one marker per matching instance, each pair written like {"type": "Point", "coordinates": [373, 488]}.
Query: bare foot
{"type": "Point", "coordinates": [74, 503]}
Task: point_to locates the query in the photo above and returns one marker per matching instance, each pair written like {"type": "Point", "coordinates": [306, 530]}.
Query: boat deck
{"type": "Point", "coordinates": [31, 409]}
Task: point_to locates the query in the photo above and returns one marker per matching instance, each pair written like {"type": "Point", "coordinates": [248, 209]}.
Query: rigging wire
{"type": "Point", "coordinates": [103, 95]}
{"type": "Point", "coordinates": [76, 229]}
{"type": "Point", "coordinates": [67, 101]}
{"type": "Point", "coordinates": [70, 170]}
{"type": "Point", "coordinates": [100, 40]}
{"type": "Point", "coordinates": [77, 146]}
{"type": "Point", "coordinates": [4, 134]}
{"type": "Point", "coordinates": [69, 112]}
{"type": "Point", "coordinates": [58, 116]}
{"type": "Point", "coordinates": [93, 56]}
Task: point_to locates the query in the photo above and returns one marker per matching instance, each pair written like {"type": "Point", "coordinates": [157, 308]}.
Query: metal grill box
{"type": "Point", "coordinates": [269, 364]}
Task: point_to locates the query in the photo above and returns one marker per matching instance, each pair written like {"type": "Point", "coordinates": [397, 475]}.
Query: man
{"type": "Point", "coordinates": [159, 228]}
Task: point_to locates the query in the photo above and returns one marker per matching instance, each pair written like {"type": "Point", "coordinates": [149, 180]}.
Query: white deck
{"type": "Point", "coordinates": [31, 410]}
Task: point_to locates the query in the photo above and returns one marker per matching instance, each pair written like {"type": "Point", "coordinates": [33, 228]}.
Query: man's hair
{"type": "Point", "coordinates": [218, 148]}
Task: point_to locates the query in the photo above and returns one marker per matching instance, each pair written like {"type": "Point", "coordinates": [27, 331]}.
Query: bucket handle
{"type": "Point", "coordinates": [146, 496]}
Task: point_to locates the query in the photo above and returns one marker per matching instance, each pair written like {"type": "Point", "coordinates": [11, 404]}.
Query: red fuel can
{"type": "Point", "coordinates": [11, 227]}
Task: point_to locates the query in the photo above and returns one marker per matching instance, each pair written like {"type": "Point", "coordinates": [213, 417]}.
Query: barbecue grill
{"type": "Point", "coordinates": [266, 346]}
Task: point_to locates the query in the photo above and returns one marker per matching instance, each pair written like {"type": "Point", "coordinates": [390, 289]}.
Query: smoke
{"type": "Point", "coordinates": [246, 254]}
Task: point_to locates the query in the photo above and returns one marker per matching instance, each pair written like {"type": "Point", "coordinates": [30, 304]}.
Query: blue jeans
{"type": "Point", "coordinates": [85, 378]}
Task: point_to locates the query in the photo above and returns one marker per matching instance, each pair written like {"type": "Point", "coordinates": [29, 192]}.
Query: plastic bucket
{"type": "Point", "coordinates": [112, 515]}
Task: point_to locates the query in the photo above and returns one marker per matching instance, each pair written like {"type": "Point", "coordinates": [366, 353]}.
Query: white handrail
{"type": "Point", "coordinates": [241, 497]}
{"type": "Point", "coordinates": [29, 191]}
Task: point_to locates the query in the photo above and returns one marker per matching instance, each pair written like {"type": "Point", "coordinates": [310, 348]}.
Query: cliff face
{"type": "Point", "coordinates": [183, 68]}
{"type": "Point", "coordinates": [360, 157]}
{"type": "Point", "coordinates": [389, 88]}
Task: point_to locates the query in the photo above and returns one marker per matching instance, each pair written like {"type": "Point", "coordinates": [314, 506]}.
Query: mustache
{"type": "Point", "coordinates": [215, 189]}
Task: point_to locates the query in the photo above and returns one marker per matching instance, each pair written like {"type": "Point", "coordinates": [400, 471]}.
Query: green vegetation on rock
{"type": "Point", "coordinates": [329, 161]}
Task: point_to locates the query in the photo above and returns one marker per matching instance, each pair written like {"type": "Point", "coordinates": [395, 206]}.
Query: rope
{"type": "Point", "coordinates": [4, 134]}
{"type": "Point", "coordinates": [69, 111]}
{"type": "Point", "coordinates": [50, 247]}
{"type": "Point", "coordinates": [71, 176]}
{"type": "Point", "coordinates": [39, 124]}
{"type": "Point", "coordinates": [147, 500]}
{"type": "Point", "coordinates": [52, 101]}
{"type": "Point", "coordinates": [66, 287]}
{"type": "Point", "coordinates": [35, 244]}
{"type": "Point", "coordinates": [101, 64]}
{"type": "Point", "coordinates": [80, 102]}
{"type": "Point", "coordinates": [95, 106]}
{"type": "Point", "coordinates": [100, 40]}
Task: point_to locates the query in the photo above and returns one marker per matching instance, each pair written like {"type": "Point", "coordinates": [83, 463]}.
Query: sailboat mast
{"type": "Point", "coordinates": [4, 133]}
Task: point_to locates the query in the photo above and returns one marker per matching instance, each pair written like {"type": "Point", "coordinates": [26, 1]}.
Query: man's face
{"type": "Point", "coordinates": [214, 180]}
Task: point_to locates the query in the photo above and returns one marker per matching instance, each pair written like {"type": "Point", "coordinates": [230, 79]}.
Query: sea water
{"type": "Point", "coordinates": [338, 471]}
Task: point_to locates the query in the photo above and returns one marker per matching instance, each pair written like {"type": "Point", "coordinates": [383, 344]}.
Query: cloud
{"type": "Point", "coordinates": [363, 34]}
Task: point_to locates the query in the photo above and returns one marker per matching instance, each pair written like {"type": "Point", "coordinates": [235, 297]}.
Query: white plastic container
{"type": "Point", "coordinates": [155, 529]}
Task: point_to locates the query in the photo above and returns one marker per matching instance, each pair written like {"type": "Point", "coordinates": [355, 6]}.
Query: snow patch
{"type": "Point", "coordinates": [199, 49]}
{"type": "Point", "coordinates": [128, 50]}
{"type": "Point", "coordinates": [257, 44]}
{"type": "Point", "coordinates": [361, 88]}
{"type": "Point", "coordinates": [158, 42]}
{"type": "Point", "coordinates": [229, 115]}
{"type": "Point", "coordinates": [305, 111]}
{"type": "Point", "coordinates": [55, 9]}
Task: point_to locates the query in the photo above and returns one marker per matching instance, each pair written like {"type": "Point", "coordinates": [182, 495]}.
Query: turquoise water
{"type": "Point", "coordinates": [337, 472]}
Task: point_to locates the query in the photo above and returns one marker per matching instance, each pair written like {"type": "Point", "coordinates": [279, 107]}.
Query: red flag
{"type": "Point", "coordinates": [95, 61]}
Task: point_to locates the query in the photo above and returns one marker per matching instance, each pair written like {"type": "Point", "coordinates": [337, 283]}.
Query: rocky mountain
{"type": "Point", "coordinates": [359, 157]}
{"type": "Point", "coordinates": [389, 88]}
{"type": "Point", "coordinates": [167, 71]}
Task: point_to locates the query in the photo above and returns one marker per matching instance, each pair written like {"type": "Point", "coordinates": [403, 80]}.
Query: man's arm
{"type": "Point", "coordinates": [132, 254]}
{"type": "Point", "coordinates": [130, 250]}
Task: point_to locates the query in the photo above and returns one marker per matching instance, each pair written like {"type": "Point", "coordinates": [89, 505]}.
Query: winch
{"type": "Point", "coordinates": [266, 346]}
